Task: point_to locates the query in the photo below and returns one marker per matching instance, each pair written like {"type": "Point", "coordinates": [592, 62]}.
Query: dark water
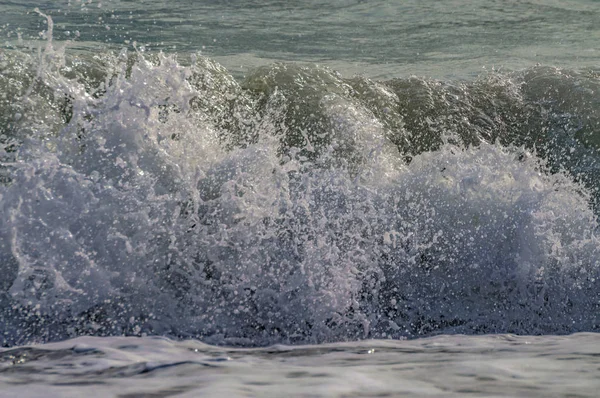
{"type": "Point", "coordinates": [281, 198]}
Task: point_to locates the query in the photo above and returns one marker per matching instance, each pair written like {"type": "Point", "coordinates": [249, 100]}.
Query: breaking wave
{"type": "Point", "coordinates": [156, 194]}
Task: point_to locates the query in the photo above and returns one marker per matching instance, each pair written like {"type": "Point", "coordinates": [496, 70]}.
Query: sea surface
{"type": "Point", "coordinates": [309, 198]}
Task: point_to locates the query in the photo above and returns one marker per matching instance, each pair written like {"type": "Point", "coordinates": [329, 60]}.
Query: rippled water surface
{"type": "Point", "coordinates": [379, 38]}
{"type": "Point", "coordinates": [445, 366]}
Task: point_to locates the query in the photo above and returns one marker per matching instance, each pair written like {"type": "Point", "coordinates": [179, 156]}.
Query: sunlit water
{"type": "Point", "coordinates": [383, 195]}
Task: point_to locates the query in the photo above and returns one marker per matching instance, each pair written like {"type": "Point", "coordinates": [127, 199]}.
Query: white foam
{"type": "Point", "coordinates": [136, 201]}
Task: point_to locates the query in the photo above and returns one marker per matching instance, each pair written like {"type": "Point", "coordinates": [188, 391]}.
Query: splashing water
{"type": "Point", "coordinates": [142, 194]}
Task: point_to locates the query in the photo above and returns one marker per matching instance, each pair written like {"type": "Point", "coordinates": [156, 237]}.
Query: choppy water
{"type": "Point", "coordinates": [445, 366]}
{"type": "Point", "coordinates": [220, 172]}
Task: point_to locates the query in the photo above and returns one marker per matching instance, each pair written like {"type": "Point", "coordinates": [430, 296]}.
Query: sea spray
{"type": "Point", "coordinates": [144, 194]}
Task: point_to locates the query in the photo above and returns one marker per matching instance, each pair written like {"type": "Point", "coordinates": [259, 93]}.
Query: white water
{"type": "Point", "coordinates": [135, 207]}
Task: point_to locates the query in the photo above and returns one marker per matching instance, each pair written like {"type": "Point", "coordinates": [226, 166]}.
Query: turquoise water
{"type": "Point", "coordinates": [306, 199]}
{"type": "Point", "coordinates": [380, 39]}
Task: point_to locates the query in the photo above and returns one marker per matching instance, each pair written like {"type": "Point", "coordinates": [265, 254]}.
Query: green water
{"type": "Point", "coordinates": [379, 39]}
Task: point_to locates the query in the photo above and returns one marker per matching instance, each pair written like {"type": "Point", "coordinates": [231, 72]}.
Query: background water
{"type": "Point", "coordinates": [324, 179]}
{"type": "Point", "coordinates": [380, 39]}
